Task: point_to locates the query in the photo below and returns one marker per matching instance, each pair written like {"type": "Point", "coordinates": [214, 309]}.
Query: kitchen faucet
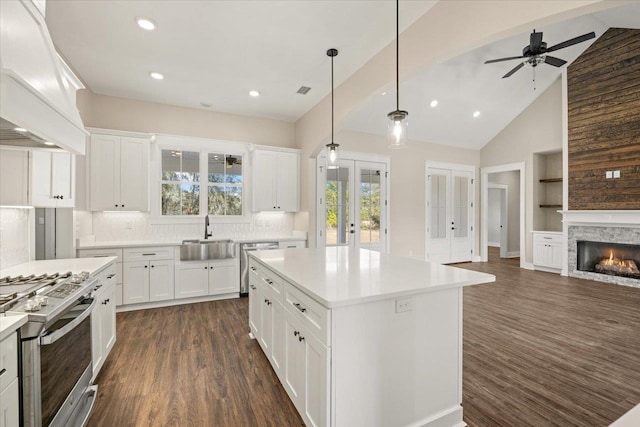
{"type": "Point", "coordinates": [206, 226]}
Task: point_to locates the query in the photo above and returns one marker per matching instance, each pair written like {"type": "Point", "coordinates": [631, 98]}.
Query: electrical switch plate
{"type": "Point", "coordinates": [128, 225]}
{"type": "Point", "coordinates": [609, 174]}
{"type": "Point", "coordinates": [616, 174]}
{"type": "Point", "coordinates": [404, 304]}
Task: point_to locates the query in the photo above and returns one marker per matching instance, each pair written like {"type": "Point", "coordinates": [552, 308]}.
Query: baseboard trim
{"type": "Point", "coordinates": [528, 266]}
{"type": "Point", "coordinates": [476, 259]}
{"type": "Point", "coordinates": [172, 302]}
{"type": "Point", "coordinates": [449, 417]}
{"type": "Point", "coordinates": [547, 269]}
{"type": "Point", "coordinates": [514, 254]}
{"type": "Point", "coordinates": [494, 244]}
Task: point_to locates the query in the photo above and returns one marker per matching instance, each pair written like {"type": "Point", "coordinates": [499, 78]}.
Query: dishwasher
{"type": "Point", "coordinates": [245, 248]}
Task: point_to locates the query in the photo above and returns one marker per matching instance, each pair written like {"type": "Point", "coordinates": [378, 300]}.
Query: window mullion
{"type": "Point", "coordinates": [204, 183]}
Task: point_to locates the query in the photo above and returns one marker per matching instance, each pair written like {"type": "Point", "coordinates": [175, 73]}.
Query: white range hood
{"type": "Point", "coordinates": [37, 89]}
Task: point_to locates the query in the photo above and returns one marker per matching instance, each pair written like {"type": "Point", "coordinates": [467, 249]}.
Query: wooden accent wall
{"type": "Point", "coordinates": [604, 123]}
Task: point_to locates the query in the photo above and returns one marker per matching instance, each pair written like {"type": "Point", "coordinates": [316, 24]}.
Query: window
{"type": "Point", "coordinates": [180, 182]}
{"type": "Point", "coordinates": [219, 175]}
{"type": "Point", "coordinates": [225, 184]}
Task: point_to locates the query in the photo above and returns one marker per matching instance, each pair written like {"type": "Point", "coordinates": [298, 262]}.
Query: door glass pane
{"type": "Point", "coordinates": [337, 206]}
{"type": "Point", "coordinates": [369, 206]}
{"type": "Point", "coordinates": [461, 206]}
{"type": "Point", "coordinates": [438, 206]}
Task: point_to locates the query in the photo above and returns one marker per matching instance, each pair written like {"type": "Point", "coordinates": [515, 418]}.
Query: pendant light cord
{"type": "Point", "coordinates": [397, 54]}
{"type": "Point", "coordinates": [332, 100]}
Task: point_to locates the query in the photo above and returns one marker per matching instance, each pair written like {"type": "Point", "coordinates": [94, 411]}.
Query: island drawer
{"type": "Point", "coordinates": [314, 316]}
{"type": "Point", "coordinates": [273, 284]}
{"type": "Point", "coordinates": [8, 360]}
{"type": "Point", "coordinates": [149, 254]}
{"type": "Point", "coordinates": [254, 271]}
{"type": "Point", "coordinates": [100, 253]}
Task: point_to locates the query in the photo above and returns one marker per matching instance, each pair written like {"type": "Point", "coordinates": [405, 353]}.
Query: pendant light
{"type": "Point", "coordinates": [398, 119]}
{"type": "Point", "coordinates": [332, 148]}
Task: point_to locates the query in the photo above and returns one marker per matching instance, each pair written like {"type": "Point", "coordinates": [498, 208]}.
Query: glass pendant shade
{"type": "Point", "coordinates": [332, 155]}
{"type": "Point", "coordinates": [397, 129]}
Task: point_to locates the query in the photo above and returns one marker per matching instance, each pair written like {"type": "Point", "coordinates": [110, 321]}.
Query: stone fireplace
{"type": "Point", "coordinates": [604, 247]}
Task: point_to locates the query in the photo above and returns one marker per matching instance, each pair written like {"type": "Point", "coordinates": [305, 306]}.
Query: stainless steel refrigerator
{"type": "Point", "coordinates": [54, 233]}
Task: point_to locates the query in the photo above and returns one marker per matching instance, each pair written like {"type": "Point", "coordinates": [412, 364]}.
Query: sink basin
{"type": "Point", "coordinates": [203, 250]}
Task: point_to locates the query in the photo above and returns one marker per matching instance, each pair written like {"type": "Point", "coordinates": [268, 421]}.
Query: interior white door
{"type": "Point", "coordinates": [504, 224]}
{"type": "Point", "coordinates": [354, 209]}
{"type": "Point", "coordinates": [449, 215]}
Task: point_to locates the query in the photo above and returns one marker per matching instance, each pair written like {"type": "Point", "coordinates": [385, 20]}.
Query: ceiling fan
{"type": "Point", "coordinates": [536, 52]}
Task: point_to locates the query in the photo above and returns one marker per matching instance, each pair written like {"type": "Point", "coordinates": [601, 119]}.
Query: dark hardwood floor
{"type": "Point", "coordinates": [539, 350]}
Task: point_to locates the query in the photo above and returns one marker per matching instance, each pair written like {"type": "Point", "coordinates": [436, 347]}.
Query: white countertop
{"type": "Point", "coordinates": [150, 243]}
{"type": "Point", "coordinates": [8, 324]}
{"type": "Point", "coordinates": [547, 232]}
{"type": "Point", "coordinates": [74, 265]}
{"type": "Point", "coordinates": [337, 277]}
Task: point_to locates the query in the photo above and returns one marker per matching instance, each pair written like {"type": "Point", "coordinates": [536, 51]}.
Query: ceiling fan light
{"type": "Point", "coordinates": [397, 130]}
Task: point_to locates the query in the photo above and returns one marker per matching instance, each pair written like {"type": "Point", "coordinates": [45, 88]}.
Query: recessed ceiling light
{"type": "Point", "coordinates": [156, 76]}
{"type": "Point", "coordinates": [49, 143]}
{"type": "Point", "coordinates": [20, 129]}
{"type": "Point", "coordinates": [434, 103]}
{"type": "Point", "coordinates": [476, 114]}
{"type": "Point", "coordinates": [254, 93]}
{"type": "Point", "coordinates": [146, 24]}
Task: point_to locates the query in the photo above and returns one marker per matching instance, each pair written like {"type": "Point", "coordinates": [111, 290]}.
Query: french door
{"type": "Point", "coordinates": [449, 226]}
{"type": "Point", "coordinates": [352, 205]}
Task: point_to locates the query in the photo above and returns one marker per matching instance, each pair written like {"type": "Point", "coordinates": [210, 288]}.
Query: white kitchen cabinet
{"type": "Point", "coordinates": [255, 319]}
{"type": "Point", "coordinates": [292, 244]}
{"type": "Point", "coordinates": [9, 405]}
{"type": "Point", "coordinates": [100, 253]}
{"type": "Point", "coordinates": [14, 177]}
{"type": "Point", "coordinates": [103, 319]}
{"type": "Point", "coordinates": [161, 280]}
{"type": "Point", "coordinates": [148, 274]}
{"type": "Point", "coordinates": [52, 180]}
{"type": "Point", "coordinates": [547, 251]}
{"type": "Point", "coordinates": [276, 179]}
{"type": "Point", "coordinates": [119, 173]}
{"type": "Point", "coordinates": [135, 282]}
{"type": "Point", "coordinates": [215, 277]}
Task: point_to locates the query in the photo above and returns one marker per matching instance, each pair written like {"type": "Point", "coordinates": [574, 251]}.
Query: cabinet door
{"type": "Point", "coordinates": [294, 361]}
{"type": "Point", "coordinates": [62, 179]}
{"type": "Point", "coordinates": [254, 311]}
{"type": "Point", "coordinates": [264, 181]}
{"type": "Point", "coordinates": [14, 178]}
{"type": "Point", "coordinates": [287, 182]}
{"type": "Point", "coordinates": [105, 172]}
{"type": "Point", "coordinates": [555, 255]}
{"type": "Point", "coordinates": [223, 279]}
{"type": "Point", "coordinates": [108, 320]}
{"type": "Point", "coordinates": [134, 174]}
{"type": "Point", "coordinates": [266, 335]}
{"type": "Point", "coordinates": [540, 253]}
{"type": "Point", "coordinates": [161, 280]}
{"type": "Point", "coordinates": [9, 406]}
{"type": "Point", "coordinates": [317, 380]}
{"type": "Point", "coordinates": [277, 338]}
{"type": "Point", "coordinates": [41, 195]}
{"type": "Point", "coordinates": [96, 335]}
{"type": "Point", "coordinates": [135, 282]}
{"type": "Point", "coordinates": [192, 280]}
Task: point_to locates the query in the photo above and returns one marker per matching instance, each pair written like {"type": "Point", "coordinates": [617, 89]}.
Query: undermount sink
{"type": "Point", "coordinates": [203, 250]}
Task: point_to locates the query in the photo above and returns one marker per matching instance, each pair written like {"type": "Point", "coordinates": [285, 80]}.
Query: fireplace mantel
{"type": "Point", "coordinates": [602, 217]}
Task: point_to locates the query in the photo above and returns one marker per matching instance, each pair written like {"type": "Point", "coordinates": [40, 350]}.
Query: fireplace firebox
{"type": "Point", "coordinates": [616, 259]}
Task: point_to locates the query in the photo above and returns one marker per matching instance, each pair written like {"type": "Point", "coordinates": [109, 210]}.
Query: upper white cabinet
{"type": "Point", "coordinates": [275, 180]}
{"type": "Point", "coordinates": [52, 179]}
{"type": "Point", "coordinates": [14, 177]}
{"type": "Point", "coordinates": [119, 173]}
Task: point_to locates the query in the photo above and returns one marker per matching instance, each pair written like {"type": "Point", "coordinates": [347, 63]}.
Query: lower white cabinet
{"type": "Point", "coordinates": [9, 394]}
{"type": "Point", "coordinates": [547, 251]}
{"type": "Point", "coordinates": [103, 320]}
{"type": "Point", "coordinates": [145, 281]}
{"type": "Point", "coordinates": [161, 280]}
{"type": "Point", "coordinates": [9, 405]}
{"type": "Point", "coordinates": [197, 279]}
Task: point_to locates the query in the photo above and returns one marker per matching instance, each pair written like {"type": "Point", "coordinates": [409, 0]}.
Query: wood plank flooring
{"type": "Point", "coordinates": [539, 350]}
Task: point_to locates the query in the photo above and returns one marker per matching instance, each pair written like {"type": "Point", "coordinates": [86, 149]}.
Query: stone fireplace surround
{"type": "Point", "coordinates": [600, 226]}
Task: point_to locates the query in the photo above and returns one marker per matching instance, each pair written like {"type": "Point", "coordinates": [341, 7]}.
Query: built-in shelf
{"type": "Point", "coordinates": [546, 180]}
{"type": "Point", "coordinates": [551, 206]}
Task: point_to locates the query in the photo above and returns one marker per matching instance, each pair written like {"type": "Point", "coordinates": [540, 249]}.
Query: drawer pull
{"type": "Point", "coordinates": [296, 333]}
{"type": "Point", "coordinates": [111, 276]}
{"type": "Point", "coordinates": [269, 281]}
{"type": "Point", "coordinates": [299, 307]}
{"type": "Point", "coordinates": [300, 338]}
{"type": "Point", "coordinates": [150, 254]}
{"type": "Point", "coordinates": [253, 268]}
{"type": "Point", "coordinates": [3, 371]}
{"type": "Point", "coordinates": [253, 287]}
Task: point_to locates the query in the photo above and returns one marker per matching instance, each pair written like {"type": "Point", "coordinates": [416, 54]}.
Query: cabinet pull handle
{"type": "Point", "coordinates": [116, 206]}
{"type": "Point", "coordinates": [145, 266]}
{"type": "Point", "coordinates": [61, 197]}
{"type": "Point", "coordinates": [3, 371]}
{"type": "Point", "coordinates": [152, 266]}
{"type": "Point", "coordinates": [253, 287]}
{"type": "Point", "coordinates": [206, 268]}
{"type": "Point", "coordinates": [149, 254]}
{"type": "Point", "coordinates": [300, 338]}
{"type": "Point", "coordinates": [296, 333]}
{"type": "Point", "coordinates": [299, 307]}
{"type": "Point", "coordinates": [111, 276]}
{"type": "Point", "coordinates": [123, 206]}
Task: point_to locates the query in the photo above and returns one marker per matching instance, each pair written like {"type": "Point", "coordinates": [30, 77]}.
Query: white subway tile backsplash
{"type": "Point", "coordinates": [14, 236]}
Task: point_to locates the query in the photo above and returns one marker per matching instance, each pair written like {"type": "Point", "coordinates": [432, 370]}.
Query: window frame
{"type": "Point", "coordinates": [204, 147]}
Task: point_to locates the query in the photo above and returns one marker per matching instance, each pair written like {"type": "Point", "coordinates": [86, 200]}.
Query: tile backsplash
{"type": "Point", "coordinates": [14, 236]}
{"type": "Point", "coordinates": [126, 226]}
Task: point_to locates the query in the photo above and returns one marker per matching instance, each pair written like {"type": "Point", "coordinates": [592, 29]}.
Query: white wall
{"type": "Point", "coordinates": [538, 129]}
{"type": "Point", "coordinates": [495, 215]}
{"type": "Point", "coordinates": [512, 180]}
{"type": "Point", "coordinates": [15, 236]}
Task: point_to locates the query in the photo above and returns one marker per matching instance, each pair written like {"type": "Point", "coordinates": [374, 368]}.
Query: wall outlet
{"type": "Point", "coordinates": [616, 174]}
{"type": "Point", "coordinates": [404, 304]}
{"type": "Point", "coordinates": [128, 225]}
{"type": "Point", "coordinates": [609, 174]}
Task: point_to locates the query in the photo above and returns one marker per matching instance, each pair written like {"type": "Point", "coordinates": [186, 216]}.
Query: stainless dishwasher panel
{"type": "Point", "coordinates": [245, 248]}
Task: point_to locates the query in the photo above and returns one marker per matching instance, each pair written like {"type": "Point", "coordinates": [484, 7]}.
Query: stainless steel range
{"type": "Point", "coordinates": [56, 346]}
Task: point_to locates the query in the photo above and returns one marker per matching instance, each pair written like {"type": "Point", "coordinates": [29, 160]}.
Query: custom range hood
{"type": "Point", "coordinates": [37, 89]}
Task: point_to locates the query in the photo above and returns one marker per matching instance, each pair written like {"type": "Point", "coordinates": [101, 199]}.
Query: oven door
{"type": "Point", "coordinates": [65, 359]}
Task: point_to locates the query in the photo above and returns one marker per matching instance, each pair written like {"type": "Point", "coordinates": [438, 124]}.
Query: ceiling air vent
{"type": "Point", "coordinates": [303, 90]}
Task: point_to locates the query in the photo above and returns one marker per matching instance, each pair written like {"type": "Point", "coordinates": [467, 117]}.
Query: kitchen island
{"type": "Point", "coordinates": [359, 338]}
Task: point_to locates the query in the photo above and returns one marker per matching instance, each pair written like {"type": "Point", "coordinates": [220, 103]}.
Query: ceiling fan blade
{"type": "Point", "coordinates": [514, 70]}
{"type": "Point", "coordinates": [535, 41]}
{"type": "Point", "coordinates": [571, 42]}
{"type": "Point", "coordinates": [491, 61]}
{"type": "Point", "coordinates": [552, 60]}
